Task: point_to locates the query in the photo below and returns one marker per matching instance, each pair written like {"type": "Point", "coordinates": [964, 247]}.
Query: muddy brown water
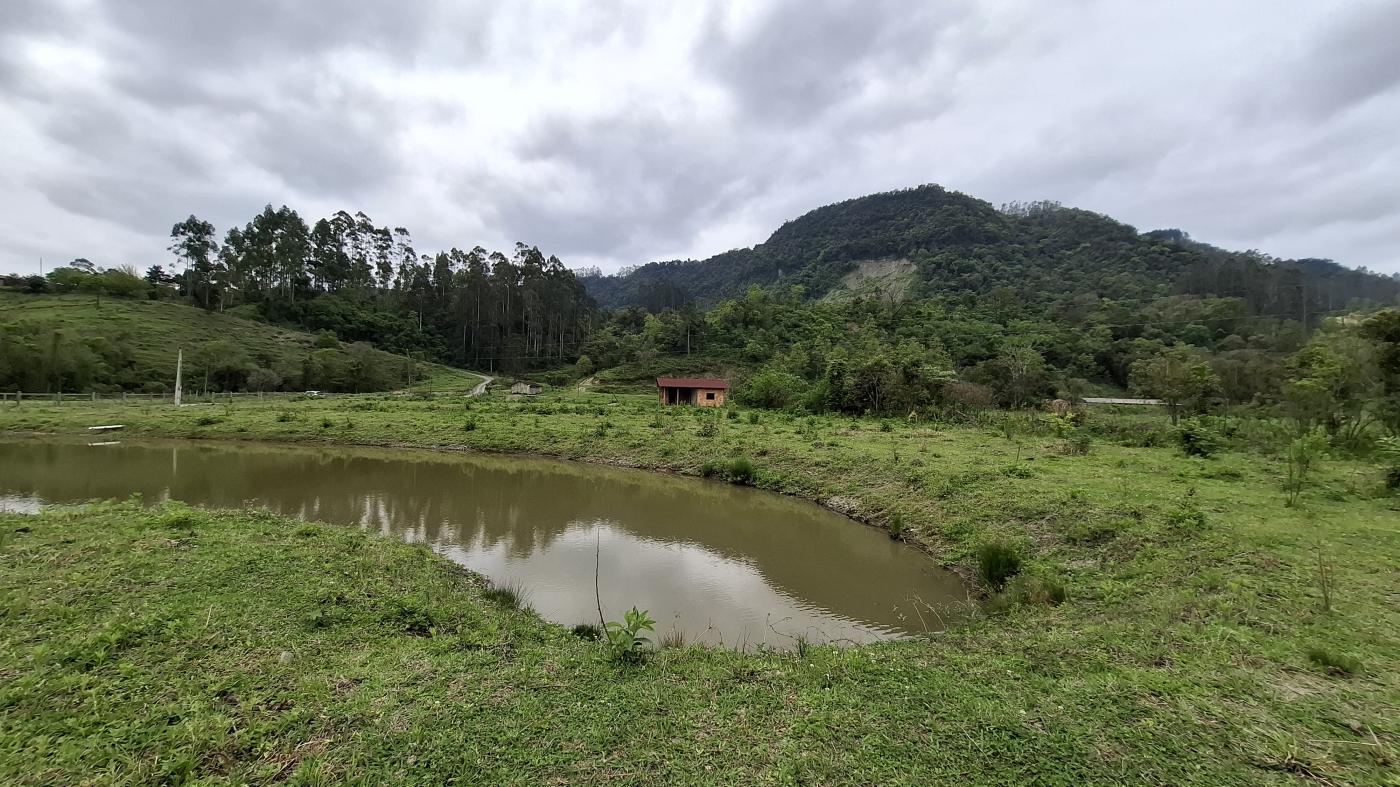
{"type": "Point", "coordinates": [722, 564]}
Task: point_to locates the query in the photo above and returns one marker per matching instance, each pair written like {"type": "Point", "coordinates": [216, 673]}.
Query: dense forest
{"type": "Point", "coordinates": [964, 248]}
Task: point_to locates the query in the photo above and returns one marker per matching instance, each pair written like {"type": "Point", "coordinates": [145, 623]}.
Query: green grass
{"type": "Point", "coordinates": [1165, 627]}
{"type": "Point", "coordinates": [155, 329]}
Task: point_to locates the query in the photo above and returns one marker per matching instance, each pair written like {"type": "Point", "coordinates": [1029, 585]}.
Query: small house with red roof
{"type": "Point", "coordinates": [699, 391]}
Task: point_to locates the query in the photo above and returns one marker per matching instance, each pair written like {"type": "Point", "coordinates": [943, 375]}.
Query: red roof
{"type": "Point", "coordinates": [691, 382]}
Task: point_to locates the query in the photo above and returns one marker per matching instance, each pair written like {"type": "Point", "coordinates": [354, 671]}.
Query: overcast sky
{"type": "Point", "coordinates": [621, 133]}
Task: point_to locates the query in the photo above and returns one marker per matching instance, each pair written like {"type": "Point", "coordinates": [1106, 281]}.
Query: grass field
{"type": "Point", "coordinates": [1192, 647]}
{"type": "Point", "coordinates": [155, 329]}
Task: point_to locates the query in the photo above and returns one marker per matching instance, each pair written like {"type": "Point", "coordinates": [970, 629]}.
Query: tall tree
{"type": "Point", "coordinates": [194, 245]}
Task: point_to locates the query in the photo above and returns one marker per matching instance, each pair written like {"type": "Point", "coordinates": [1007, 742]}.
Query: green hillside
{"type": "Point", "coordinates": [48, 341]}
{"type": "Point", "coordinates": [964, 247]}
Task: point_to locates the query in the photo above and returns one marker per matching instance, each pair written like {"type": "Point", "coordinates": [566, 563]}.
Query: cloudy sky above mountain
{"type": "Point", "coordinates": [620, 132]}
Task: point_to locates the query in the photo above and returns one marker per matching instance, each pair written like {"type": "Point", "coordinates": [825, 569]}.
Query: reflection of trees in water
{"type": "Point", "coordinates": [479, 502]}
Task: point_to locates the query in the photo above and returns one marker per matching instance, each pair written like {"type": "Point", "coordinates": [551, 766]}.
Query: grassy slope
{"type": "Point", "coordinates": [1180, 656]}
{"type": "Point", "coordinates": [157, 328]}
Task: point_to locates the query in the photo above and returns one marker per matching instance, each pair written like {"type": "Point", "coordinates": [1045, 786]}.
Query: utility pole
{"type": "Point", "coordinates": [179, 362]}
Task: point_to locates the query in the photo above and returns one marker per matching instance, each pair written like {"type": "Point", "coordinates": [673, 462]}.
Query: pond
{"type": "Point", "coordinates": [722, 564]}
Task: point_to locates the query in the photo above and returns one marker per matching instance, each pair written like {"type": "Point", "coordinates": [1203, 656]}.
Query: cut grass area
{"type": "Point", "coordinates": [1189, 645]}
{"type": "Point", "coordinates": [155, 329]}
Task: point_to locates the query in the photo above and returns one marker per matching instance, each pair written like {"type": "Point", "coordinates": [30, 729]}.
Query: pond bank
{"type": "Point", "coordinates": [1185, 652]}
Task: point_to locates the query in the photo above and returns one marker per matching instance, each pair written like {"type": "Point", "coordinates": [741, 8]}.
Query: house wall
{"type": "Point", "coordinates": [701, 397]}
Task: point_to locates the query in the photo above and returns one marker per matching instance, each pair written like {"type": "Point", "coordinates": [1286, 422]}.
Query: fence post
{"type": "Point", "coordinates": [58, 397]}
{"type": "Point", "coordinates": [94, 396]}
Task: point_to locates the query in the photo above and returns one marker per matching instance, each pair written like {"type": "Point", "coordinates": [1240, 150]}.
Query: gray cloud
{"type": "Point", "coordinates": [622, 132]}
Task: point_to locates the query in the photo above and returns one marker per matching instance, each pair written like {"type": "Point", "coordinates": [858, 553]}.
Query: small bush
{"type": "Point", "coordinates": [735, 471]}
{"type": "Point", "coordinates": [286, 416]}
{"type": "Point", "coordinates": [1302, 455]}
{"type": "Point", "coordinates": [208, 420]}
{"type": "Point", "coordinates": [741, 471]}
{"type": "Point", "coordinates": [997, 562]}
{"type": "Point", "coordinates": [625, 639]}
{"type": "Point", "coordinates": [469, 425]}
{"type": "Point", "coordinates": [1077, 444]}
{"type": "Point", "coordinates": [1016, 471]}
{"type": "Point", "coordinates": [327, 423]}
{"type": "Point", "coordinates": [709, 428]}
{"type": "Point", "coordinates": [732, 415]}
{"type": "Point", "coordinates": [1196, 438]}
{"type": "Point", "coordinates": [753, 418]}
{"type": "Point", "coordinates": [1335, 663]}
{"type": "Point", "coordinates": [179, 519]}
{"type": "Point", "coordinates": [895, 527]}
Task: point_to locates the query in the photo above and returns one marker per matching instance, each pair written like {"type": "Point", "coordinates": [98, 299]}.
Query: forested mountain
{"type": "Point", "coordinates": [964, 247]}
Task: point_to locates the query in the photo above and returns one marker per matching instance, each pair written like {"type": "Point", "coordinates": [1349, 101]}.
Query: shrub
{"type": "Point", "coordinates": [286, 416]}
{"type": "Point", "coordinates": [469, 425]}
{"type": "Point", "coordinates": [1078, 443]}
{"type": "Point", "coordinates": [1197, 438]}
{"type": "Point", "coordinates": [1335, 663]}
{"type": "Point", "coordinates": [895, 527]}
{"type": "Point", "coordinates": [997, 562]}
{"type": "Point", "coordinates": [771, 388]}
{"type": "Point", "coordinates": [735, 471]}
{"type": "Point", "coordinates": [709, 428]}
{"type": "Point", "coordinates": [327, 423]}
{"type": "Point", "coordinates": [208, 420]}
{"type": "Point", "coordinates": [753, 418]}
{"type": "Point", "coordinates": [1302, 455]}
{"type": "Point", "coordinates": [741, 471]}
{"type": "Point", "coordinates": [625, 639]}
{"type": "Point", "coordinates": [732, 415]}
{"type": "Point", "coordinates": [179, 518]}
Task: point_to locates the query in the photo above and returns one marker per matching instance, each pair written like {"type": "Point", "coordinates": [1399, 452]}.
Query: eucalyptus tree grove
{"type": "Point", "coordinates": [367, 283]}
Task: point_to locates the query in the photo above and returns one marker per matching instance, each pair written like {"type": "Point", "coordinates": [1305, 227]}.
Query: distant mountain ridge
{"type": "Point", "coordinates": [963, 246]}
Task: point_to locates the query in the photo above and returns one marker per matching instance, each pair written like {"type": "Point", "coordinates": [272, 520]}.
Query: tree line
{"type": "Point", "coordinates": [475, 308]}
{"type": "Point", "coordinates": [871, 356]}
